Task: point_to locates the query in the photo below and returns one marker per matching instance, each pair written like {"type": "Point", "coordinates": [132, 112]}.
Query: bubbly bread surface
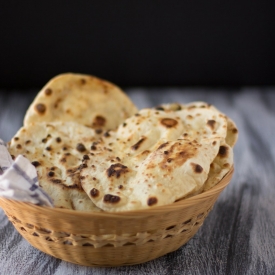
{"type": "Point", "coordinates": [157, 157]}
{"type": "Point", "coordinates": [80, 98]}
{"type": "Point", "coordinates": [56, 150]}
{"type": "Point", "coordinates": [94, 151]}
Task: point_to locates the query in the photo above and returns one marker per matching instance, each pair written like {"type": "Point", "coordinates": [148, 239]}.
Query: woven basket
{"type": "Point", "coordinates": [112, 239]}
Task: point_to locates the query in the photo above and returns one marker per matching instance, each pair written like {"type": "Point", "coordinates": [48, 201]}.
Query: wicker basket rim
{"type": "Point", "coordinates": [134, 213]}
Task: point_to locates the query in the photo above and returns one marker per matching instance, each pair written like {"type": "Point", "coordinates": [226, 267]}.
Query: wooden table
{"type": "Point", "coordinates": [238, 237]}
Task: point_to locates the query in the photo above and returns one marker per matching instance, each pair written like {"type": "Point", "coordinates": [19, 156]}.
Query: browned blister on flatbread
{"type": "Point", "coordinates": [57, 150]}
{"type": "Point", "coordinates": [216, 127]}
{"type": "Point", "coordinates": [80, 98]}
{"type": "Point", "coordinates": [124, 159]}
{"type": "Point", "coordinates": [147, 162]}
{"type": "Point", "coordinates": [196, 113]}
{"type": "Point", "coordinates": [220, 166]}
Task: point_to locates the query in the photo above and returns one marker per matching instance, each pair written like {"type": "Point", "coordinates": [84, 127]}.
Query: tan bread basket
{"type": "Point", "coordinates": [112, 239]}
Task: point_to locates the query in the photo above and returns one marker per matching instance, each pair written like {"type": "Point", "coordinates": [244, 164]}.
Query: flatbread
{"type": "Point", "coordinates": [84, 99]}
{"type": "Point", "coordinates": [220, 166]}
{"type": "Point", "coordinates": [224, 159]}
{"type": "Point", "coordinates": [149, 162]}
{"type": "Point", "coordinates": [232, 130]}
{"type": "Point", "coordinates": [151, 158]}
{"type": "Point", "coordinates": [57, 150]}
{"type": "Point", "coordinates": [194, 109]}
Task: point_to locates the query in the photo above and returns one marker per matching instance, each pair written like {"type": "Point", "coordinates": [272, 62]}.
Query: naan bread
{"type": "Point", "coordinates": [149, 161]}
{"type": "Point", "coordinates": [84, 99]}
{"type": "Point", "coordinates": [199, 108]}
{"type": "Point", "coordinates": [57, 150]}
{"type": "Point", "coordinates": [232, 133]}
{"type": "Point", "coordinates": [220, 166]}
{"type": "Point", "coordinates": [151, 158]}
{"type": "Point", "coordinates": [224, 160]}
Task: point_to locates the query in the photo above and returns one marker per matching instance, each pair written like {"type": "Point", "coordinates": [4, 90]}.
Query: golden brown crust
{"type": "Point", "coordinates": [81, 98]}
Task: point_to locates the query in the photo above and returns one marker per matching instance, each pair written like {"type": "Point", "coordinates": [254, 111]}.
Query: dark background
{"type": "Point", "coordinates": [138, 43]}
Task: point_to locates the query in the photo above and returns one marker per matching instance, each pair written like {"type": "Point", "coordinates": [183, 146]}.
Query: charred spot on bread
{"type": "Point", "coordinates": [169, 122]}
{"type": "Point", "coordinates": [108, 198]}
{"type": "Point", "coordinates": [136, 146]}
{"type": "Point", "coordinates": [40, 108]}
{"type": "Point", "coordinates": [197, 168]}
{"type": "Point", "coordinates": [19, 146]}
{"type": "Point", "coordinates": [36, 163]}
{"type": "Point", "coordinates": [99, 121]}
{"type": "Point", "coordinates": [223, 151]}
{"type": "Point", "coordinates": [98, 131]}
{"type": "Point", "coordinates": [80, 147]}
{"type": "Point", "coordinates": [94, 193]}
{"type": "Point", "coordinates": [56, 104]}
{"type": "Point", "coordinates": [151, 201]}
{"type": "Point", "coordinates": [63, 160]}
{"type": "Point", "coordinates": [116, 170]}
{"type": "Point", "coordinates": [86, 157]}
{"type": "Point", "coordinates": [93, 147]}
{"type": "Point", "coordinates": [82, 166]}
{"type": "Point", "coordinates": [51, 174]}
{"type": "Point", "coordinates": [83, 81]}
{"type": "Point", "coordinates": [48, 91]}
{"type": "Point", "coordinates": [211, 123]}
{"type": "Point", "coordinates": [163, 145]}
{"type": "Point", "coordinates": [106, 134]}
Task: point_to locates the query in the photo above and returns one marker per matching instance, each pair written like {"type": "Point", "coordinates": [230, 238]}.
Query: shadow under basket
{"type": "Point", "coordinates": [112, 239]}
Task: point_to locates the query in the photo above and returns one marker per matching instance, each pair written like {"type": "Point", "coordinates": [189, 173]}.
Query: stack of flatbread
{"type": "Point", "coordinates": [95, 151]}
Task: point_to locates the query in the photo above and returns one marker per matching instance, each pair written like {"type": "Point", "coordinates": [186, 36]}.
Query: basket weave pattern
{"type": "Point", "coordinates": [112, 239]}
{"type": "Point", "coordinates": [140, 238]}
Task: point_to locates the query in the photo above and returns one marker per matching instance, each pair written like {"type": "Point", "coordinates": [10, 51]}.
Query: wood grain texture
{"type": "Point", "coordinates": [237, 236]}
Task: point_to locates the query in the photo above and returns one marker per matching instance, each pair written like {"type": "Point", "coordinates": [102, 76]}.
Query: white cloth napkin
{"type": "Point", "coordinates": [18, 179]}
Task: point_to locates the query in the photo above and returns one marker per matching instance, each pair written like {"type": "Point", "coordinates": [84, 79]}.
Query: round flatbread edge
{"type": "Point", "coordinates": [81, 98]}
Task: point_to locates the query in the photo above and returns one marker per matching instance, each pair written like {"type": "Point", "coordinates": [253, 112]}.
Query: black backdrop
{"type": "Point", "coordinates": [134, 43]}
